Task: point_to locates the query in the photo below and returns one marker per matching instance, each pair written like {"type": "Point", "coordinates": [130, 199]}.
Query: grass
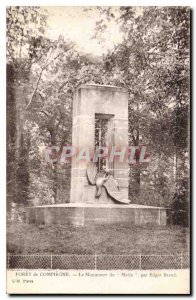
{"type": "Point", "coordinates": [105, 239]}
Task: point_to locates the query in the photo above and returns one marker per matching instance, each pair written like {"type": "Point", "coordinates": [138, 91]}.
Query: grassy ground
{"type": "Point", "coordinates": [116, 239]}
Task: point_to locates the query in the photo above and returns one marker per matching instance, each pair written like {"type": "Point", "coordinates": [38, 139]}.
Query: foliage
{"type": "Point", "coordinates": [25, 30]}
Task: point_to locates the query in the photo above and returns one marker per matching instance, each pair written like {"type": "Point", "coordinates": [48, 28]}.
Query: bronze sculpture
{"type": "Point", "coordinates": [105, 179]}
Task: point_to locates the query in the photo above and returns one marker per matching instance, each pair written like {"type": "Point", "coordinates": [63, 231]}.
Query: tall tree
{"type": "Point", "coordinates": [25, 26]}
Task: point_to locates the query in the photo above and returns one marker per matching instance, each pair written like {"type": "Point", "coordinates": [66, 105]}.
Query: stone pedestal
{"type": "Point", "coordinates": [94, 214]}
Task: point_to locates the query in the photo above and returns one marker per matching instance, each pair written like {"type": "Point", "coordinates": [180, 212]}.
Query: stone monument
{"type": "Point", "coordinates": [96, 107]}
{"type": "Point", "coordinates": [99, 187]}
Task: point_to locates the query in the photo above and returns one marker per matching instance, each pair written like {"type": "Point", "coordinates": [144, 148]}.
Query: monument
{"type": "Point", "coordinates": [100, 118]}
{"type": "Point", "coordinates": [99, 185]}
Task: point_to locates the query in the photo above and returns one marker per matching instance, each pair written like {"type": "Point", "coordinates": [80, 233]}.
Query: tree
{"type": "Point", "coordinates": [22, 29]}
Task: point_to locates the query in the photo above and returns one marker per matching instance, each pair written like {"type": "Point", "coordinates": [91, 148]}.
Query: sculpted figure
{"type": "Point", "coordinates": [107, 180]}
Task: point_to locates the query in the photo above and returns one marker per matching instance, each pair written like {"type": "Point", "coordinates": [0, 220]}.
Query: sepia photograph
{"type": "Point", "coordinates": [98, 149]}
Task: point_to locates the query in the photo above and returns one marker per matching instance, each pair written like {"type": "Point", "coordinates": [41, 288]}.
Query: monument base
{"type": "Point", "coordinates": [81, 214]}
